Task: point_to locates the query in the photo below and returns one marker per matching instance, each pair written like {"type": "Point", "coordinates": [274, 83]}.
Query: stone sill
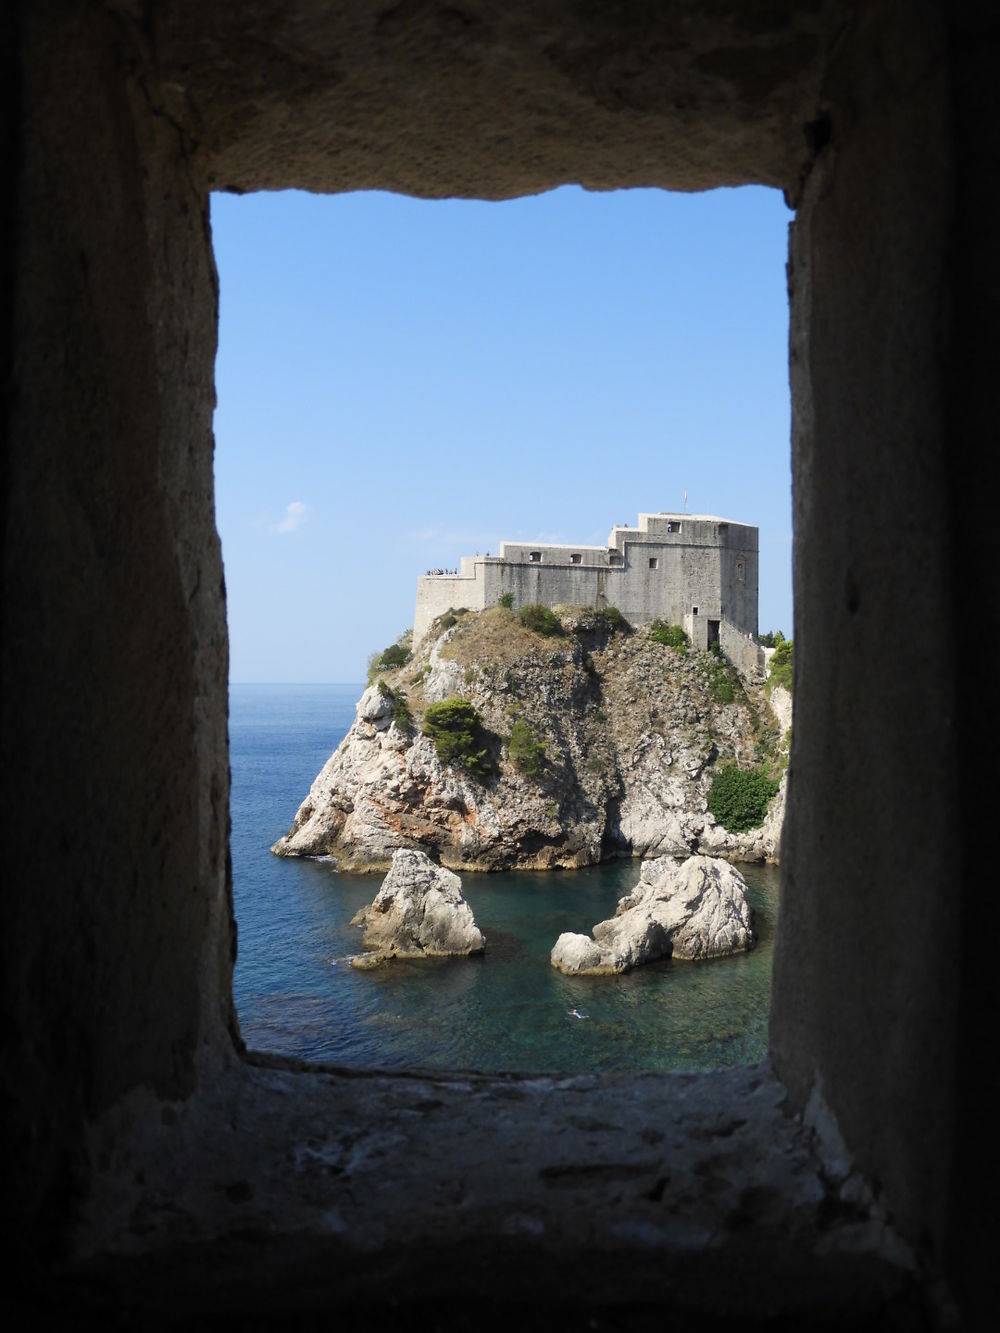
{"type": "Point", "coordinates": [301, 1188]}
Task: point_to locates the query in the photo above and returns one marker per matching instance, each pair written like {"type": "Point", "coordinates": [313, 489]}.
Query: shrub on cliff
{"type": "Point", "coordinates": [721, 682]}
{"type": "Point", "coordinates": [738, 797]}
{"type": "Point", "coordinates": [525, 750]}
{"type": "Point", "coordinates": [457, 731]}
{"type": "Point", "coordinates": [396, 655]}
{"type": "Point", "coordinates": [671, 636]}
{"type": "Point", "coordinates": [506, 600]}
{"type": "Point", "coordinates": [781, 667]}
{"type": "Point", "coordinates": [540, 619]}
{"type": "Point", "coordinates": [401, 714]}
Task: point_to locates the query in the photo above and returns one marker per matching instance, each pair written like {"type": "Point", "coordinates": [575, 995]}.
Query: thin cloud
{"type": "Point", "coordinates": [296, 514]}
{"type": "Point", "coordinates": [444, 536]}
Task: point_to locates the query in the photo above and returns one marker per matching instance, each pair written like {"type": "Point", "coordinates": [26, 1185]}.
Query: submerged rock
{"type": "Point", "coordinates": [698, 908]}
{"type": "Point", "coordinates": [418, 912]}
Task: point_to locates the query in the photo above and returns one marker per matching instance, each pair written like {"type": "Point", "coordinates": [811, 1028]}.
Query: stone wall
{"type": "Point", "coordinates": [746, 654]}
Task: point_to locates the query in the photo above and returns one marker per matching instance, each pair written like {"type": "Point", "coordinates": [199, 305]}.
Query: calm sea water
{"type": "Point", "coordinates": [508, 1010]}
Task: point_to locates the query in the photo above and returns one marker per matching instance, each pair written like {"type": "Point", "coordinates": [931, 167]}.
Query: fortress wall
{"type": "Point", "coordinates": [595, 556]}
{"type": "Point", "coordinates": [437, 592]}
{"type": "Point", "coordinates": [688, 530]}
{"type": "Point", "coordinates": [557, 585]}
{"type": "Point", "coordinates": [746, 655]}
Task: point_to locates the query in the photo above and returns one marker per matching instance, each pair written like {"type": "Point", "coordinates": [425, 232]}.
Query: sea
{"type": "Point", "coordinates": [508, 1010]}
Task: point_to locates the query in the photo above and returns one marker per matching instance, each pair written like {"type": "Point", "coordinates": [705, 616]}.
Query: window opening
{"type": "Point", "coordinates": [438, 493]}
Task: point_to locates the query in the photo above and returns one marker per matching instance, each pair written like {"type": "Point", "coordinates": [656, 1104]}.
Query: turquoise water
{"type": "Point", "coordinates": [509, 1010]}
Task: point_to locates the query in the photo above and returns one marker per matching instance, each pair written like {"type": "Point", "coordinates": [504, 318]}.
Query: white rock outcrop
{"type": "Point", "coordinates": [629, 731]}
{"type": "Point", "coordinates": [697, 908]}
{"type": "Point", "coordinates": [418, 912]}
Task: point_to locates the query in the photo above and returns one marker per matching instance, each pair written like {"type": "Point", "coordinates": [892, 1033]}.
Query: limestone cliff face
{"type": "Point", "coordinates": [632, 731]}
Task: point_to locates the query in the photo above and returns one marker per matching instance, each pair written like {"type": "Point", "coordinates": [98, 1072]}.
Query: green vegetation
{"type": "Point", "coordinates": [391, 658]}
{"type": "Point", "coordinates": [738, 797]}
{"type": "Point", "coordinates": [672, 636]}
{"type": "Point", "coordinates": [772, 638]}
{"type": "Point", "coordinates": [394, 656]}
{"type": "Point", "coordinates": [506, 600]}
{"type": "Point", "coordinates": [401, 714]}
{"type": "Point", "coordinates": [458, 735]}
{"type": "Point", "coordinates": [721, 682]}
{"type": "Point", "coordinates": [421, 674]}
{"type": "Point", "coordinates": [540, 619]}
{"type": "Point", "coordinates": [781, 668]}
{"type": "Point", "coordinates": [766, 740]}
{"type": "Point", "coordinates": [525, 749]}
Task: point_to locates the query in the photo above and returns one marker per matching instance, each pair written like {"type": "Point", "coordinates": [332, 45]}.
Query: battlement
{"type": "Point", "coordinates": [695, 570]}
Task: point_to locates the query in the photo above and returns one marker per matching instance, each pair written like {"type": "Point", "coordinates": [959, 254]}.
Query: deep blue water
{"type": "Point", "coordinates": [509, 1010]}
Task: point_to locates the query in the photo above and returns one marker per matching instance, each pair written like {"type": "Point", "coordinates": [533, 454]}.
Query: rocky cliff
{"type": "Point", "coordinates": [595, 742]}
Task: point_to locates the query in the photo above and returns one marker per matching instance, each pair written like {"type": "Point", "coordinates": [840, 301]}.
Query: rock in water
{"type": "Point", "coordinates": [419, 912]}
{"type": "Point", "coordinates": [698, 908]}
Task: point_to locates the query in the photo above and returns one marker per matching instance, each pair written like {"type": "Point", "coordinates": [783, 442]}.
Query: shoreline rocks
{"type": "Point", "coordinates": [418, 912]}
{"type": "Point", "coordinates": [695, 909]}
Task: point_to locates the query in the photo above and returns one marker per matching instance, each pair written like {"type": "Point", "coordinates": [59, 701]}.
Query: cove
{"type": "Point", "coordinates": [508, 1011]}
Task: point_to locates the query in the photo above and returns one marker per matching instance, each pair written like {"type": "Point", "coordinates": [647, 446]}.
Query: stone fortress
{"type": "Point", "coordinates": [694, 570]}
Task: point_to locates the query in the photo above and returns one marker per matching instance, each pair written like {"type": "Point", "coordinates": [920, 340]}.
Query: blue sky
{"type": "Point", "coordinates": [402, 382]}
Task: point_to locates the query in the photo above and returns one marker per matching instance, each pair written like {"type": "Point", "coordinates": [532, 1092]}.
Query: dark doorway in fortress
{"type": "Point", "coordinates": [565, 390]}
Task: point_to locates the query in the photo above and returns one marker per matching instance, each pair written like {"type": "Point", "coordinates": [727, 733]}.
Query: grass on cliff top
{"type": "Point", "coordinates": [495, 635]}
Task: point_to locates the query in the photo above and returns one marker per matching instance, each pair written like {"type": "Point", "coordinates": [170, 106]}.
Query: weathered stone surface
{"type": "Point", "coordinates": [695, 909]}
{"type": "Point", "coordinates": [433, 99]}
{"type": "Point", "coordinates": [419, 912]}
{"type": "Point", "coordinates": [631, 735]}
